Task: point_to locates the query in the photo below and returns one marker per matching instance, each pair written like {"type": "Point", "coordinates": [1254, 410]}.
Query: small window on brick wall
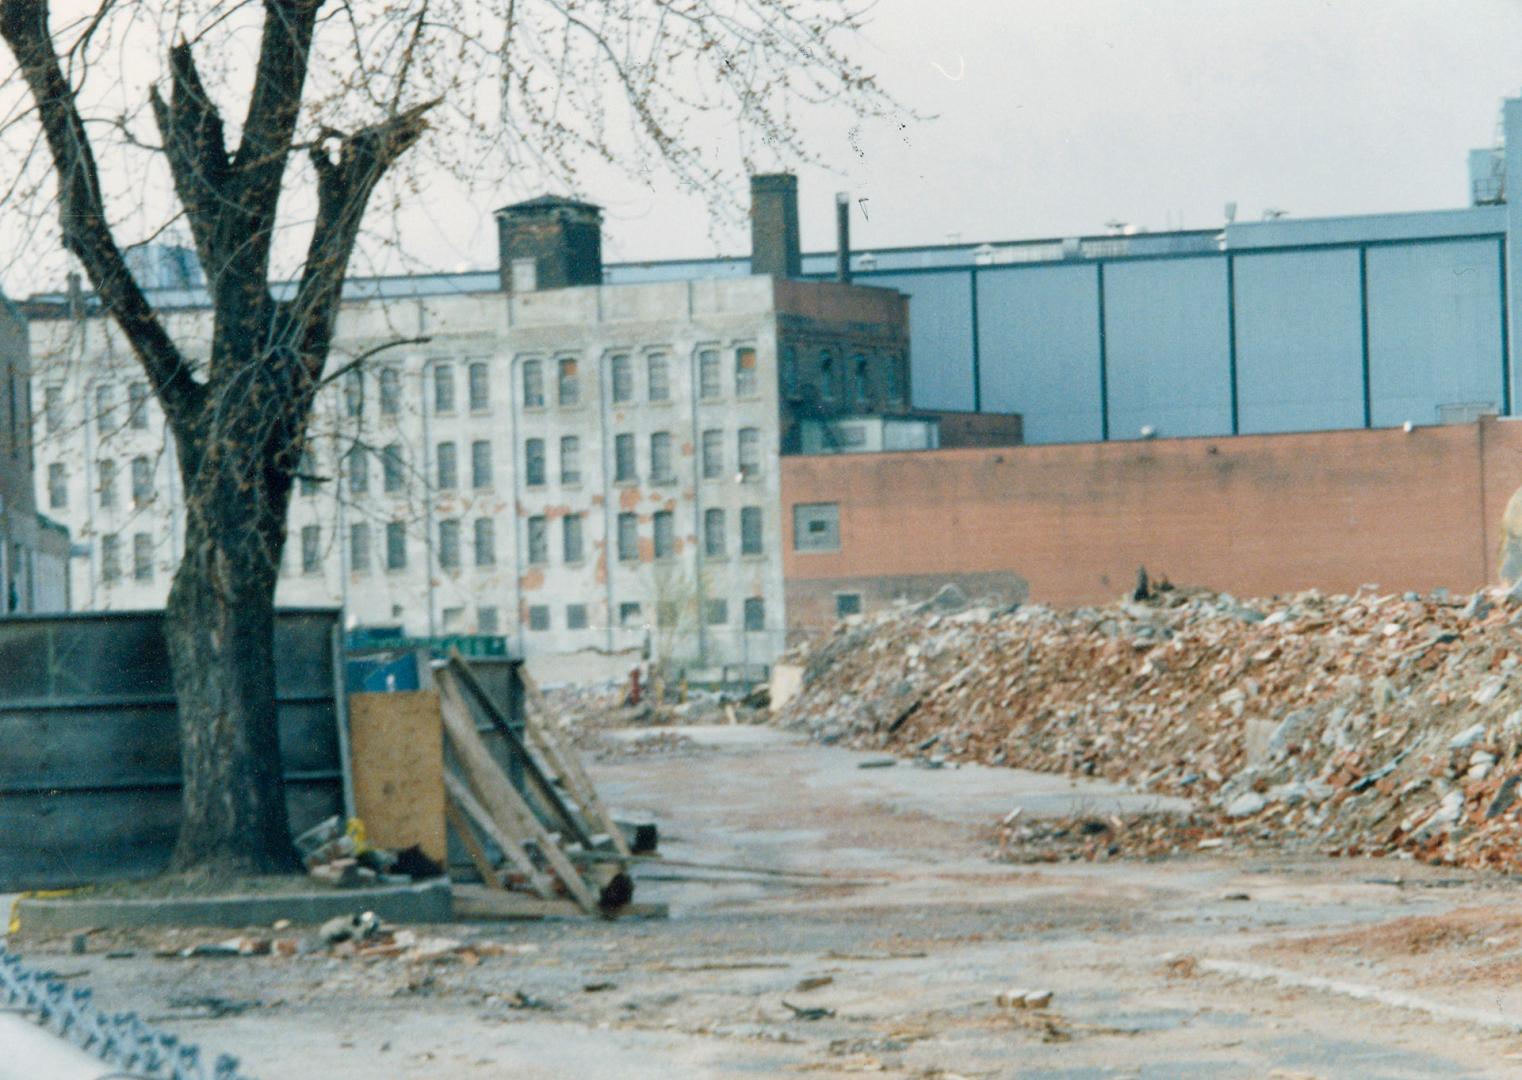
{"type": "Point", "coordinates": [816, 527]}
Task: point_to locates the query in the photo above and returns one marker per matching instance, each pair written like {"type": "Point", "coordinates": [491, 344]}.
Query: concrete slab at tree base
{"type": "Point", "coordinates": [479, 902]}
{"type": "Point", "coordinates": [422, 902]}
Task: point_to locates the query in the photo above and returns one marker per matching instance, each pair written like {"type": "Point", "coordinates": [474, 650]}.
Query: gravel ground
{"type": "Point", "coordinates": [1208, 965]}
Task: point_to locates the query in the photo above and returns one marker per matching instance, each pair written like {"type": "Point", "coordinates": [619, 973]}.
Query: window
{"type": "Point", "coordinates": [142, 481]}
{"type": "Point", "coordinates": [755, 613]}
{"type": "Point", "coordinates": [486, 542]}
{"type": "Point", "coordinates": [396, 546]}
{"type": "Point", "coordinates": [816, 527]}
{"type": "Point", "coordinates": [359, 471]}
{"type": "Point", "coordinates": [454, 619]}
{"type": "Point", "coordinates": [745, 372]}
{"type": "Point", "coordinates": [480, 464]}
{"type": "Point", "coordinates": [52, 408]}
{"type": "Point", "coordinates": [713, 454]}
{"type": "Point", "coordinates": [108, 483]}
{"type": "Point", "coordinates": [142, 557]}
{"type": "Point", "coordinates": [359, 548]}
{"type": "Point", "coordinates": [666, 613]}
{"type": "Point", "coordinates": [628, 615]}
{"type": "Point", "coordinates": [306, 471]}
{"type": "Point", "coordinates": [716, 612]}
{"type": "Point", "coordinates": [311, 549]}
{"type": "Point", "coordinates": [659, 382]}
{"type": "Point", "coordinates": [393, 469]}
{"type": "Point", "coordinates": [893, 382]}
{"type": "Point", "coordinates": [533, 462]}
{"type": "Point", "coordinates": [449, 543]}
{"type": "Point", "coordinates": [390, 391]}
{"type": "Point", "coordinates": [103, 402]}
{"type": "Point", "coordinates": [660, 458]}
{"type": "Point", "coordinates": [569, 387]}
{"type": "Point", "coordinates": [443, 388]}
{"type": "Point", "coordinates": [571, 538]}
{"type": "Point", "coordinates": [863, 382]}
{"type": "Point", "coordinates": [487, 621]}
{"type": "Point", "coordinates": [354, 392]}
{"type": "Point", "coordinates": [665, 534]}
{"type": "Point", "coordinates": [750, 453]}
{"type": "Point", "coordinates": [539, 617]}
{"type": "Point", "coordinates": [789, 373]}
{"type": "Point", "coordinates": [479, 380]}
{"type": "Point", "coordinates": [137, 405]}
{"type": "Point", "coordinates": [533, 384]}
{"type": "Point", "coordinates": [570, 459]}
{"type": "Point", "coordinates": [628, 537]}
{"type": "Point", "coordinates": [110, 558]}
{"type": "Point", "coordinates": [538, 540]}
{"type": "Point", "coordinates": [623, 459]}
{"type": "Point", "coordinates": [710, 377]}
{"type": "Point", "coordinates": [448, 466]}
{"type": "Point", "coordinates": [715, 527]}
{"type": "Point", "coordinates": [58, 486]}
{"type": "Point", "coordinates": [622, 377]}
{"type": "Point", "coordinates": [576, 616]}
{"type": "Point", "coordinates": [826, 376]}
{"type": "Point", "coordinates": [525, 275]}
{"type": "Point", "coordinates": [847, 604]}
{"type": "Point", "coordinates": [750, 530]}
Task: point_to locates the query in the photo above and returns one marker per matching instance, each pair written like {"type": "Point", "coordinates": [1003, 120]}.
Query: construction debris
{"type": "Point", "coordinates": [1358, 724]}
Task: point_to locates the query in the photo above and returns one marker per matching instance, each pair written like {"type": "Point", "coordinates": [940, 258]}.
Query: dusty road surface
{"type": "Point", "coordinates": [1204, 965]}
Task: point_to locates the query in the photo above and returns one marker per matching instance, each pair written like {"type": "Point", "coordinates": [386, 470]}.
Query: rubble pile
{"type": "Point", "coordinates": [1364, 724]}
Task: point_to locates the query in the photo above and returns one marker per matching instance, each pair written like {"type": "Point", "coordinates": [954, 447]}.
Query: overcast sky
{"type": "Point", "coordinates": [1051, 117]}
{"type": "Point", "coordinates": [1055, 116]}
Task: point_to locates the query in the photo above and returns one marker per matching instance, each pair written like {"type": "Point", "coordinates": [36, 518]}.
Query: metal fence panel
{"type": "Point", "coordinates": [89, 773]}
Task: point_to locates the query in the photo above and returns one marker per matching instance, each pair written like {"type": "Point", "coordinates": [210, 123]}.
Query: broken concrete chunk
{"type": "Point", "coordinates": [1023, 999]}
{"type": "Point", "coordinates": [1246, 805]}
{"type": "Point", "coordinates": [1467, 738]}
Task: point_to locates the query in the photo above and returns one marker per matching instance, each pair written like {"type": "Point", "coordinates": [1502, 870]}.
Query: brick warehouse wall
{"type": "Point", "coordinates": [1251, 515]}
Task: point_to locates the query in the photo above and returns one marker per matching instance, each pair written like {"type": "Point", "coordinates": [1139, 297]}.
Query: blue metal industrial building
{"type": "Point", "coordinates": [1283, 325]}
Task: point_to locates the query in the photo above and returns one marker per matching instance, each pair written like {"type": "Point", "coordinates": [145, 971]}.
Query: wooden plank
{"type": "Point", "coordinates": [565, 765]}
{"type": "Point", "coordinates": [472, 844]}
{"type": "Point", "coordinates": [533, 774]}
{"type": "Point", "coordinates": [566, 761]}
{"type": "Point", "coordinates": [465, 804]}
{"type": "Point", "coordinates": [397, 746]}
{"type": "Point", "coordinates": [500, 799]}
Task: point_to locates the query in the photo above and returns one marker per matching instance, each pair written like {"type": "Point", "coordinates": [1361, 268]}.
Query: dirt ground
{"type": "Point", "coordinates": [1201, 965]}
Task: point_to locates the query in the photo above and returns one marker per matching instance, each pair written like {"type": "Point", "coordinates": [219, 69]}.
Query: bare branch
{"type": "Point", "coordinates": [343, 191]}
{"type": "Point", "coordinates": [196, 150]}
{"type": "Point", "coordinates": [85, 231]}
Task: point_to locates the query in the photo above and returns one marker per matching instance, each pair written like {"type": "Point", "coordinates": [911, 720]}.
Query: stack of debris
{"type": "Point", "coordinates": [1366, 724]}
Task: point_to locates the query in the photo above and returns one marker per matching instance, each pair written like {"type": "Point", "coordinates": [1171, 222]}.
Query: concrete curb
{"type": "Point", "coordinates": [424, 902]}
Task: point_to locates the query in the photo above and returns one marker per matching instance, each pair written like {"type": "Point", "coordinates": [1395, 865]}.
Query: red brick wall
{"type": "Point", "coordinates": [1252, 515]}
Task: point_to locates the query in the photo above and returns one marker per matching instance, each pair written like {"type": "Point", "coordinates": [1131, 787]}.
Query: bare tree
{"type": "Point", "coordinates": [334, 95]}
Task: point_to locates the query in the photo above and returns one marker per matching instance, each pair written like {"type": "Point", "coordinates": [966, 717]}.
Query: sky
{"type": "Point", "coordinates": [1051, 118]}
{"type": "Point", "coordinates": [1048, 118]}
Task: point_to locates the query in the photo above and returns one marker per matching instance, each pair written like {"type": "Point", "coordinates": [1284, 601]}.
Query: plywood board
{"type": "Point", "coordinates": [397, 744]}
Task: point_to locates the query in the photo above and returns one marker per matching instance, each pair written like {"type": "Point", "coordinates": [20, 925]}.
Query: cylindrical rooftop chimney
{"type": "Point", "coordinates": [843, 237]}
{"type": "Point", "coordinates": [774, 245]}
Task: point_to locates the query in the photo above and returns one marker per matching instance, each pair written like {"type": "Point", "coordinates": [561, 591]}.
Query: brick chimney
{"type": "Point", "coordinates": [774, 225]}
{"type": "Point", "coordinates": [549, 243]}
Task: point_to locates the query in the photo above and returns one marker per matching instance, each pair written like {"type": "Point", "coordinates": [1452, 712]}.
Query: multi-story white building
{"type": "Point", "coordinates": [570, 464]}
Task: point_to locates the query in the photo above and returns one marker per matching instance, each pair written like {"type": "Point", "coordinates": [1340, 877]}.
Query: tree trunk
{"type": "Point", "coordinates": [219, 625]}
